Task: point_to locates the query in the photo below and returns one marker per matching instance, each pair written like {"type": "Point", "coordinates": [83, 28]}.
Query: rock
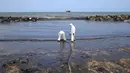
{"type": "Point", "coordinates": [17, 19]}
{"type": "Point", "coordinates": [128, 21]}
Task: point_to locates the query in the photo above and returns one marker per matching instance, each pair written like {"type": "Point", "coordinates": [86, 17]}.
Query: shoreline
{"type": "Point", "coordinates": [112, 18]}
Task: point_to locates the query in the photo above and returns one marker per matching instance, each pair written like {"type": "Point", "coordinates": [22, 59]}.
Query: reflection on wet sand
{"type": "Point", "coordinates": [62, 45]}
{"type": "Point", "coordinates": [67, 64]}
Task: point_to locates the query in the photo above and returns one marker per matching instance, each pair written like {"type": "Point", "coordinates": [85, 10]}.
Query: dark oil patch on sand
{"type": "Point", "coordinates": [43, 63]}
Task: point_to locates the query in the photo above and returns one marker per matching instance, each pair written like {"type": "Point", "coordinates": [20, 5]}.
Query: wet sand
{"type": "Point", "coordinates": [92, 56]}
{"type": "Point", "coordinates": [32, 48]}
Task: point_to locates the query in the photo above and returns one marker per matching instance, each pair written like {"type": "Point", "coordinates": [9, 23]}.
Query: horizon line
{"type": "Point", "coordinates": [65, 12]}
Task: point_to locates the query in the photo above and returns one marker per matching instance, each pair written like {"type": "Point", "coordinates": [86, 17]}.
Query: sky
{"type": "Point", "coordinates": [63, 5]}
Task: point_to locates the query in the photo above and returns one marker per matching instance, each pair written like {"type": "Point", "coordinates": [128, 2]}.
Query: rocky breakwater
{"type": "Point", "coordinates": [114, 18]}
{"type": "Point", "coordinates": [108, 18]}
{"type": "Point", "coordinates": [17, 19]}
